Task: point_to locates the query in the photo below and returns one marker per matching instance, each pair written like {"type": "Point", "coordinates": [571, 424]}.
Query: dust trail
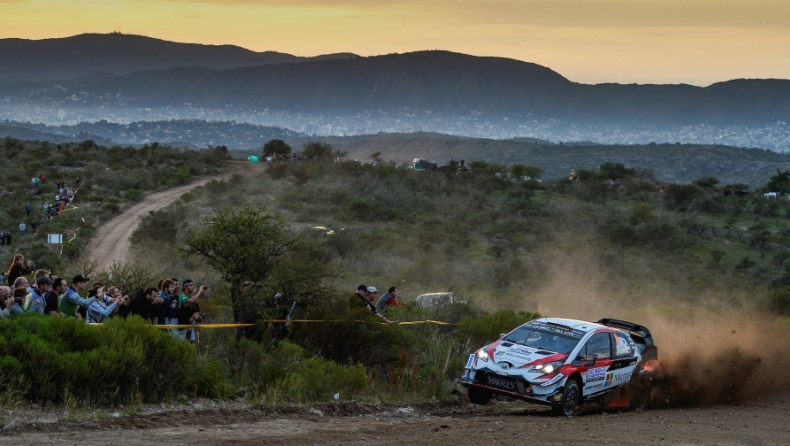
{"type": "Point", "coordinates": [714, 350]}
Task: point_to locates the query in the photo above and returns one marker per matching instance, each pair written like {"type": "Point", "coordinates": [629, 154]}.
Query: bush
{"type": "Point", "coordinates": [122, 361]}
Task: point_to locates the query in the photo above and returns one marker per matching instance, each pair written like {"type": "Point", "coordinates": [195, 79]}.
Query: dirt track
{"type": "Point", "coordinates": [111, 241]}
{"type": "Point", "coordinates": [763, 422]}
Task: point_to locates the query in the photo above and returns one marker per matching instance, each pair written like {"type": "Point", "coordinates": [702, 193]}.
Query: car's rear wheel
{"type": "Point", "coordinates": [570, 399]}
{"type": "Point", "coordinates": [640, 397]}
{"type": "Point", "coordinates": [479, 396]}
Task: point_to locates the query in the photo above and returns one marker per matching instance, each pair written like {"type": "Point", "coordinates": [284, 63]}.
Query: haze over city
{"type": "Point", "coordinates": [698, 42]}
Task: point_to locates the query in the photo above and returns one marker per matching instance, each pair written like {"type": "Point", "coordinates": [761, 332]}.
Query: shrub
{"type": "Point", "coordinates": [121, 361]}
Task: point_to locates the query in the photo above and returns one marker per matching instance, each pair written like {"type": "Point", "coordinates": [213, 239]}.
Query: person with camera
{"type": "Point", "coordinates": [18, 299]}
{"type": "Point", "coordinates": [103, 307]}
{"type": "Point", "coordinates": [190, 314]}
{"type": "Point", "coordinates": [6, 302]}
{"type": "Point", "coordinates": [146, 304]}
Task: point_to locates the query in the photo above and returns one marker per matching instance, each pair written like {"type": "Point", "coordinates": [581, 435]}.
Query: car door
{"type": "Point", "coordinates": [596, 356]}
{"type": "Point", "coordinates": [624, 362]}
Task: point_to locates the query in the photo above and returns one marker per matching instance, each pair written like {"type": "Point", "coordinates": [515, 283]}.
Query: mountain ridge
{"type": "Point", "coordinates": [116, 53]}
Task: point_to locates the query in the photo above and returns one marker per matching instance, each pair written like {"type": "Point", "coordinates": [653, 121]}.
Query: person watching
{"type": "Point", "coordinates": [18, 299]}
{"type": "Point", "coordinates": [188, 294]}
{"type": "Point", "coordinates": [390, 298]}
{"type": "Point", "coordinates": [146, 304]}
{"type": "Point", "coordinates": [72, 300]}
{"type": "Point", "coordinates": [37, 302]}
{"type": "Point", "coordinates": [367, 295]}
{"type": "Point", "coordinates": [103, 307]}
{"type": "Point", "coordinates": [18, 268]}
{"type": "Point", "coordinates": [52, 297]}
{"type": "Point", "coordinates": [6, 302]}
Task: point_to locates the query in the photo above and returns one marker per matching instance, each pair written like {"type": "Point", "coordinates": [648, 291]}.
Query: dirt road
{"type": "Point", "coordinates": [111, 241]}
{"type": "Point", "coordinates": [763, 422]}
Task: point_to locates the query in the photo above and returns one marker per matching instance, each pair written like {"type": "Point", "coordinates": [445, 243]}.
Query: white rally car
{"type": "Point", "coordinates": [563, 363]}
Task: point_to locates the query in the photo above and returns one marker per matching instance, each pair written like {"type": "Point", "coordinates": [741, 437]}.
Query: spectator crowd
{"type": "Point", "coordinates": [172, 302]}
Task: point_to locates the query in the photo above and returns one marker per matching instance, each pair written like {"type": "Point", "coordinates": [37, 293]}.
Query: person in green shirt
{"type": "Point", "coordinates": [188, 294]}
{"type": "Point", "coordinates": [72, 300]}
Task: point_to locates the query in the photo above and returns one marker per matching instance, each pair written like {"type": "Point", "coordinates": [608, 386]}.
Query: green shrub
{"type": "Point", "coordinates": [122, 361]}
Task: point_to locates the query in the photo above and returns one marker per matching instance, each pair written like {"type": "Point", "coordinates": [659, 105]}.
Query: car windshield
{"type": "Point", "coordinates": [542, 339]}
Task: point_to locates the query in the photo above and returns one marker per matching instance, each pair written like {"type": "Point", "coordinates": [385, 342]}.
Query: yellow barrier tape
{"type": "Point", "coordinates": [221, 326]}
{"type": "Point", "coordinates": [209, 326]}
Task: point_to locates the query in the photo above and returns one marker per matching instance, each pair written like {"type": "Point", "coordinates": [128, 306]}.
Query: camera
{"type": "Point", "coordinates": [202, 315]}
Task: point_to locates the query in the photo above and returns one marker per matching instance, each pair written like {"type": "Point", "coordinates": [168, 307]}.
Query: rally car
{"type": "Point", "coordinates": [564, 363]}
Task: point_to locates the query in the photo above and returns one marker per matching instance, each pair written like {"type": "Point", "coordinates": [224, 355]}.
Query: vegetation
{"type": "Point", "coordinates": [110, 179]}
{"type": "Point", "coordinates": [506, 243]}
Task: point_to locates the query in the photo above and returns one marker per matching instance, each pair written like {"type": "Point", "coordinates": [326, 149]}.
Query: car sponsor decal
{"type": "Point", "coordinates": [616, 378]}
{"type": "Point", "coordinates": [502, 383]}
{"type": "Point", "coordinates": [596, 374]}
{"type": "Point", "coordinates": [567, 331]}
{"type": "Point", "coordinates": [470, 361]}
{"type": "Point", "coordinates": [511, 354]}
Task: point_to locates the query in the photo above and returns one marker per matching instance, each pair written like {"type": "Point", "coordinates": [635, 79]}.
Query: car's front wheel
{"type": "Point", "coordinates": [570, 399]}
{"type": "Point", "coordinates": [479, 396]}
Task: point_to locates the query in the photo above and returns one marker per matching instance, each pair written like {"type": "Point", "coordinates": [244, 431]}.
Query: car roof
{"type": "Point", "coordinates": [575, 324]}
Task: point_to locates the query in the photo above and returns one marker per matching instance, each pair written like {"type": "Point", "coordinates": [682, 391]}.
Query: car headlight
{"type": "Point", "coordinates": [482, 354]}
{"type": "Point", "coordinates": [547, 368]}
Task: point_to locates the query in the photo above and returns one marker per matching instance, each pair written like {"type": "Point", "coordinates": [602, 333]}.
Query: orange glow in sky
{"type": "Point", "coordinates": [644, 41]}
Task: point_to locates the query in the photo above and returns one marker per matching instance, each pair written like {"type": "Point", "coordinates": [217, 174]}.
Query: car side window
{"type": "Point", "coordinates": [599, 346]}
{"type": "Point", "coordinates": [624, 347]}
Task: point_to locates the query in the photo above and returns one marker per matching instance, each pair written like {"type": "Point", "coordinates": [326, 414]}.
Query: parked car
{"type": "Point", "coordinates": [564, 363]}
{"type": "Point", "coordinates": [435, 299]}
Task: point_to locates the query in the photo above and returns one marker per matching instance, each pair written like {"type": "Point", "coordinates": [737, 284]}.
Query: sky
{"type": "Point", "coordinates": [696, 42]}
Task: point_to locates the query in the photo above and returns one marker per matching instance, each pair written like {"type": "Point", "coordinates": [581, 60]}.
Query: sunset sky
{"type": "Point", "coordinates": [644, 41]}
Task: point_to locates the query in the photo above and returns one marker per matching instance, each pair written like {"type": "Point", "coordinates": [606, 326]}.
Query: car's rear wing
{"type": "Point", "coordinates": [639, 333]}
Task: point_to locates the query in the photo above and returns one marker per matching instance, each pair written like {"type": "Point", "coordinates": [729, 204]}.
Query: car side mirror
{"type": "Point", "coordinates": [502, 335]}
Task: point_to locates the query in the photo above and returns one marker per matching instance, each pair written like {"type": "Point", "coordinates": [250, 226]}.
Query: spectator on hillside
{"type": "Point", "coordinates": [390, 298]}
{"type": "Point", "coordinates": [22, 228]}
{"type": "Point", "coordinates": [27, 209]}
{"type": "Point", "coordinates": [6, 302]}
{"type": "Point", "coordinates": [22, 283]}
{"type": "Point", "coordinates": [52, 297]}
{"type": "Point", "coordinates": [104, 306]}
{"type": "Point", "coordinates": [8, 238]}
{"type": "Point", "coordinates": [366, 296]}
{"type": "Point", "coordinates": [19, 295]}
{"type": "Point", "coordinates": [2, 238]}
{"type": "Point", "coordinates": [190, 314]}
{"type": "Point", "coordinates": [146, 303]}
{"type": "Point", "coordinates": [78, 181]}
{"type": "Point", "coordinates": [188, 294]}
{"type": "Point", "coordinates": [36, 302]}
{"type": "Point", "coordinates": [18, 267]}
{"type": "Point", "coordinates": [72, 301]}
{"type": "Point", "coordinates": [169, 294]}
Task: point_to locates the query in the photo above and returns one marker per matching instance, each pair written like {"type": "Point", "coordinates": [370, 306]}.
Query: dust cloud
{"type": "Point", "coordinates": [714, 349]}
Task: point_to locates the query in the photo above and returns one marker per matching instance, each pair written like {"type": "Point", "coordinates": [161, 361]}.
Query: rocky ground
{"type": "Point", "coordinates": [760, 422]}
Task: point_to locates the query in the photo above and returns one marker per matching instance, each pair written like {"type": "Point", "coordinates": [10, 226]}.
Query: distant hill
{"type": "Point", "coordinates": [72, 57]}
{"type": "Point", "coordinates": [680, 163]}
{"type": "Point", "coordinates": [29, 134]}
{"type": "Point", "coordinates": [423, 82]}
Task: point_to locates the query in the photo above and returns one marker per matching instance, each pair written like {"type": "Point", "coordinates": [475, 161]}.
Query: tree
{"type": "Point", "coordinates": [708, 182]}
{"type": "Point", "coordinates": [779, 182]}
{"type": "Point", "coordinates": [241, 245]}
{"type": "Point", "coordinates": [319, 150]}
{"type": "Point", "coordinates": [519, 170]}
{"type": "Point", "coordinates": [277, 146]}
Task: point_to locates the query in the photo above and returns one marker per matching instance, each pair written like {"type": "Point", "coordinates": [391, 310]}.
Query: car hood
{"type": "Point", "coordinates": [518, 356]}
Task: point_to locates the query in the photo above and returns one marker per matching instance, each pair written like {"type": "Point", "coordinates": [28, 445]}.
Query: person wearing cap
{"type": "Point", "coordinates": [368, 295]}
{"type": "Point", "coordinates": [188, 294]}
{"type": "Point", "coordinates": [36, 301]}
{"type": "Point", "coordinates": [72, 300]}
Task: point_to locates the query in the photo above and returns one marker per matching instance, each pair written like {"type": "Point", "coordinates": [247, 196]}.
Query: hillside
{"type": "Point", "coordinates": [682, 163]}
{"type": "Point", "coordinates": [424, 84]}
{"type": "Point", "coordinates": [76, 56]}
